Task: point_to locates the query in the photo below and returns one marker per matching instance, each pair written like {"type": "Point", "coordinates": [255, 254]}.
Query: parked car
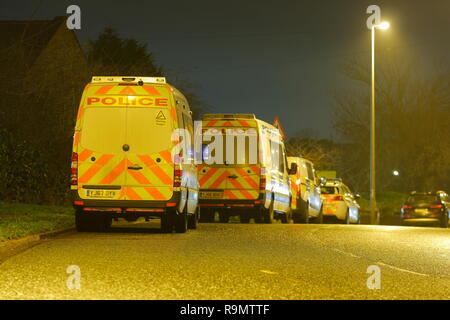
{"type": "Point", "coordinates": [339, 202]}
{"type": "Point", "coordinates": [305, 188]}
{"type": "Point", "coordinates": [426, 208]}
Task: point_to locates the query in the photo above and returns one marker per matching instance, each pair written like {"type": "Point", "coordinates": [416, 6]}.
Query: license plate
{"type": "Point", "coordinates": [101, 194]}
{"type": "Point", "coordinates": [422, 211]}
{"type": "Point", "coordinates": [211, 194]}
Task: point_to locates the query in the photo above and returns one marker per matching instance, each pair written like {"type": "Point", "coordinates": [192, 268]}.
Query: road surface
{"type": "Point", "coordinates": [235, 261]}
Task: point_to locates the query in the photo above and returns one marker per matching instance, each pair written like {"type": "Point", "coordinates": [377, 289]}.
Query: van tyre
{"type": "Point", "coordinates": [319, 218]}
{"type": "Point", "coordinates": [347, 218]}
{"type": "Point", "coordinates": [268, 214]}
{"type": "Point", "coordinates": [193, 219]}
{"type": "Point", "coordinates": [88, 222]}
{"type": "Point", "coordinates": [304, 213]}
{"type": "Point", "coordinates": [181, 223]}
{"type": "Point", "coordinates": [83, 223]}
{"type": "Point", "coordinates": [167, 222]}
{"type": "Point", "coordinates": [444, 220]}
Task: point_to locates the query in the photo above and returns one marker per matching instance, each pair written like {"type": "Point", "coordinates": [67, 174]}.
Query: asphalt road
{"type": "Point", "coordinates": [234, 261]}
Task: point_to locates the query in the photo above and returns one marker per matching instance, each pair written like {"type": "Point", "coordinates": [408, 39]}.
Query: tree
{"type": "Point", "coordinates": [109, 54]}
{"type": "Point", "coordinates": [412, 132]}
{"type": "Point", "coordinates": [323, 153]}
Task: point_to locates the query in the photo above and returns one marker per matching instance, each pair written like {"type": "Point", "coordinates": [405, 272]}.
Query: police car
{"type": "Point", "coordinates": [339, 202]}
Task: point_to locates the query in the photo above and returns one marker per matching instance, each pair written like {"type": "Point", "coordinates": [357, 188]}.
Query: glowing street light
{"type": "Point", "coordinates": [373, 205]}
{"type": "Point", "coordinates": [396, 173]}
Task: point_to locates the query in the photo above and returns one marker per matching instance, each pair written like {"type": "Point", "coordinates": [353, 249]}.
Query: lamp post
{"type": "Point", "coordinates": [374, 218]}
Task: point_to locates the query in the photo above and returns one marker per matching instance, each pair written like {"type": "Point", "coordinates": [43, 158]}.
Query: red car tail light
{"type": "Point", "coordinates": [74, 170]}
{"type": "Point", "coordinates": [178, 175]}
{"type": "Point", "coordinates": [337, 198]}
{"type": "Point", "coordinates": [436, 206]}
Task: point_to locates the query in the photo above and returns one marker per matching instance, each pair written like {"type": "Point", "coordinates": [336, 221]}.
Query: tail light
{"type": "Point", "coordinates": [262, 181]}
{"type": "Point", "coordinates": [406, 207]}
{"type": "Point", "coordinates": [298, 182]}
{"type": "Point", "coordinates": [178, 175]}
{"type": "Point", "coordinates": [337, 198]}
{"type": "Point", "coordinates": [436, 206]}
{"type": "Point", "coordinates": [74, 170]}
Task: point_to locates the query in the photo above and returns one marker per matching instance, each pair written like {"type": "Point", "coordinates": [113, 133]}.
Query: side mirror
{"type": "Point", "coordinates": [293, 169]}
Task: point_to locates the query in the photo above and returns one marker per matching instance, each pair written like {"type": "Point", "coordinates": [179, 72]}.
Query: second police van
{"type": "Point", "coordinates": [122, 163]}
{"type": "Point", "coordinates": [244, 170]}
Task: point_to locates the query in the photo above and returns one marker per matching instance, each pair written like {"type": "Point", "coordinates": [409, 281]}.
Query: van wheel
{"type": "Point", "coordinates": [167, 222]}
{"type": "Point", "coordinates": [104, 223]}
{"type": "Point", "coordinates": [257, 216]}
{"type": "Point", "coordinates": [444, 220]}
{"type": "Point", "coordinates": [347, 218]}
{"type": "Point", "coordinates": [181, 223]}
{"type": "Point", "coordinates": [285, 218]}
{"type": "Point", "coordinates": [305, 214]}
{"type": "Point", "coordinates": [82, 221]}
{"type": "Point", "coordinates": [296, 217]}
{"type": "Point", "coordinates": [268, 214]}
{"type": "Point", "coordinates": [319, 218]}
{"type": "Point", "coordinates": [193, 219]}
{"type": "Point", "coordinates": [85, 222]}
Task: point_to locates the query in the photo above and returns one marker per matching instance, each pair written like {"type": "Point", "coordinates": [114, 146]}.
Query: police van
{"type": "Point", "coordinates": [244, 170]}
{"type": "Point", "coordinates": [123, 164]}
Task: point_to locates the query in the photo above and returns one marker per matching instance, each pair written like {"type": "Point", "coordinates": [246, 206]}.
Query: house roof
{"type": "Point", "coordinates": [34, 35]}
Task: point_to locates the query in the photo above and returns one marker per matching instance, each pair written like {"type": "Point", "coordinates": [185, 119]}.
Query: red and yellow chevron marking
{"type": "Point", "coordinates": [101, 90]}
{"type": "Point", "coordinates": [240, 195]}
{"type": "Point", "coordinates": [228, 123]}
{"type": "Point", "coordinates": [157, 173]}
{"type": "Point", "coordinates": [245, 186]}
{"type": "Point", "coordinates": [148, 193]}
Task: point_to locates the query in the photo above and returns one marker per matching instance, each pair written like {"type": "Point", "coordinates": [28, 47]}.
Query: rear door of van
{"type": "Point", "coordinates": [125, 145]}
{"type": "Point", "coordinates": [234, 179]}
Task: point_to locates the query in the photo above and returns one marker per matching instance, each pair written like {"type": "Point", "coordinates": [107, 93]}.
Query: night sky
{"type": "Point", "coordinates": [264, 57]}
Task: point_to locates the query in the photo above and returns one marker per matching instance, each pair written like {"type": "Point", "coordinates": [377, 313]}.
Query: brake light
{"type": "Point", "coordinates": [178, 175]}
{"type": "Point", "coordinates": [262, 181]}
{"type": "Point", "coordinates": [74, 170]}
{"type": "Point", "coordinates": [406, 207]}
{"type": "Point", "coordinates": [436, 206]}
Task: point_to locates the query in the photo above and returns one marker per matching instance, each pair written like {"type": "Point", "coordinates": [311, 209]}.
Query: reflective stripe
{"type": "Point", "coordinates": [94, 169]}
{"type": "Point", "coordinates": [116, 172]}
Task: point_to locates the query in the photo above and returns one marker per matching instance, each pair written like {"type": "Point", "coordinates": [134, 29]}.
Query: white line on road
{"type": "Point", "coordinates": [403, 270]}
{"type": "Point", "coordinates": [347, 253]}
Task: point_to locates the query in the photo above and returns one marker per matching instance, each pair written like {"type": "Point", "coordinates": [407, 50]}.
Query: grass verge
{"type": "Point", "coordinates": [18, 220]}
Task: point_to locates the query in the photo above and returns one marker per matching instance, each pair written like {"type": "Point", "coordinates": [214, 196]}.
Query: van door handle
{"type": "Point", "coordinates": [135, 167]}
{"type": "Point", "coordinates": [233, 177]}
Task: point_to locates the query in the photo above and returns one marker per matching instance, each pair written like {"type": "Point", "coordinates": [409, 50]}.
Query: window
{"type": "Point", "coordinates": [328, 190]}
{"type": "Point", "coordinates": [310, 171]}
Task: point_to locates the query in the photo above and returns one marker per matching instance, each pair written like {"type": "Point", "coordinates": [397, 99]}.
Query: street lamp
{"type": "Point", "coordinates": [374, 219]}
{"type": "Point", "coordinates": [396, 173]}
